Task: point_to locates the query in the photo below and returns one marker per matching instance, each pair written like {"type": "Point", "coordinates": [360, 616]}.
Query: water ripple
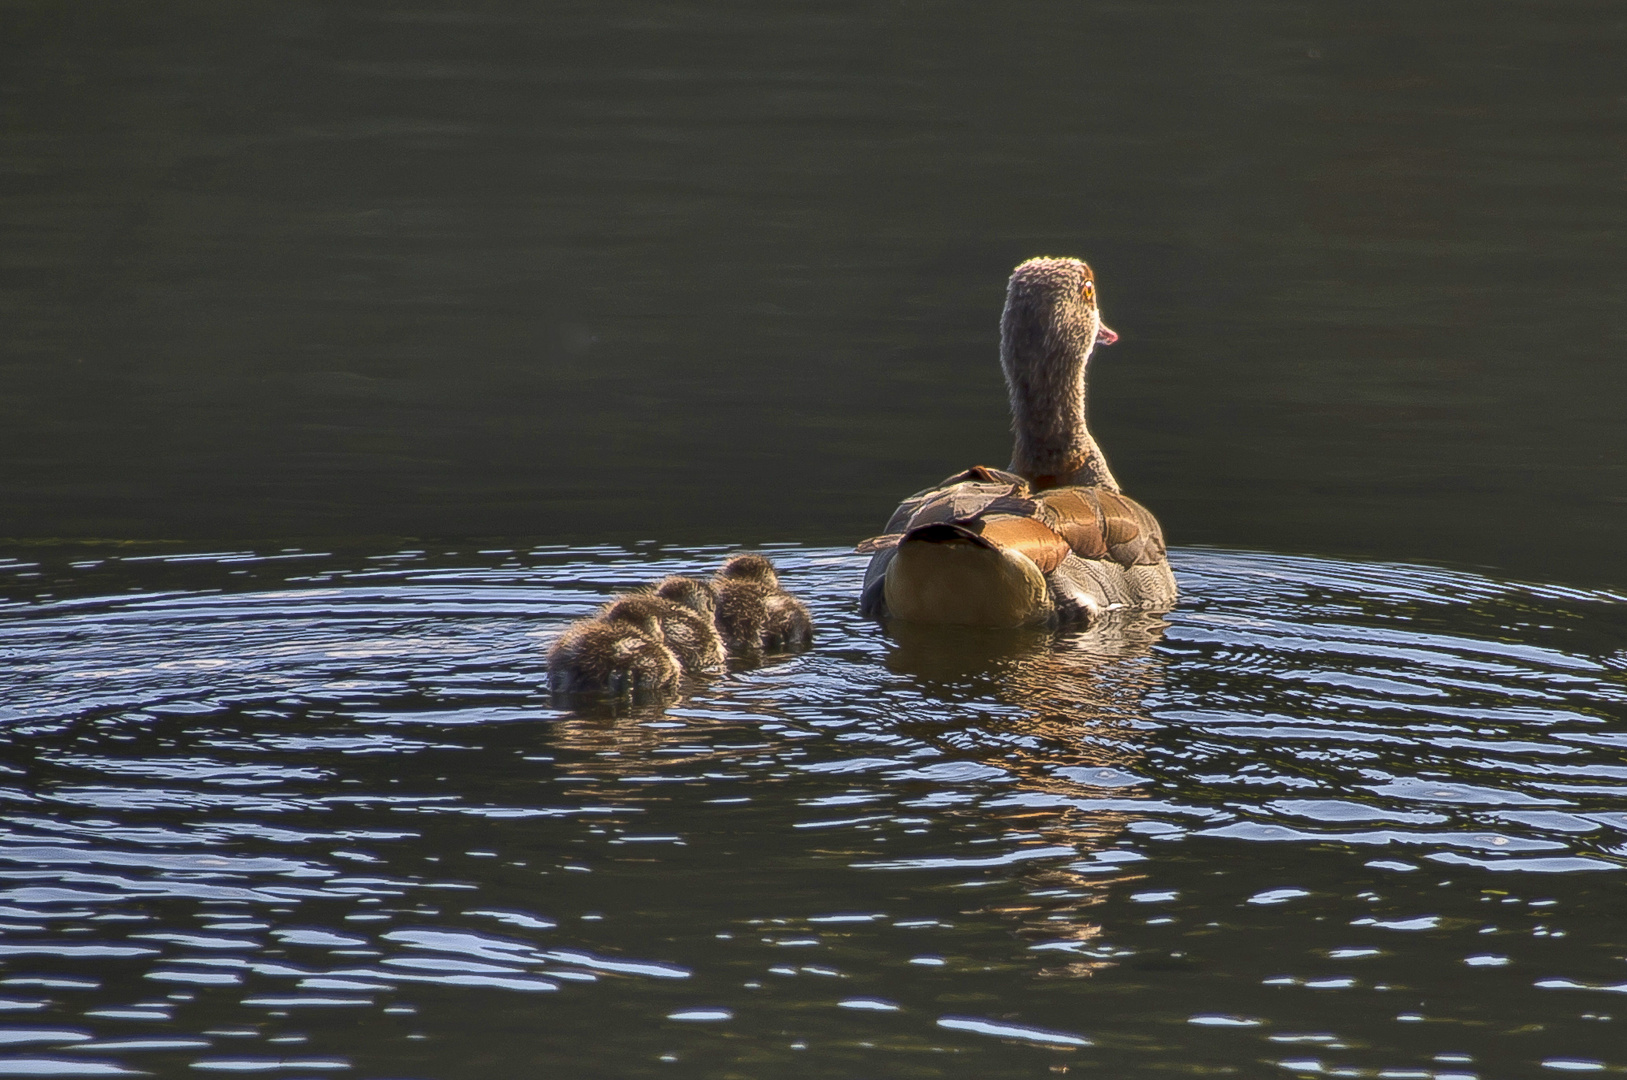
{"type": "Point", "coordinates": [225, 814]}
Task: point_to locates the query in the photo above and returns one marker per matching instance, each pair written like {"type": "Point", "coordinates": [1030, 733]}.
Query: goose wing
{"type": "Point", "coordinates": [954, 498]}
{"type": "Point", "coordinates": [1102, 524]}
{"type": "Point", "coordinates": [1086, 541]}
{"type": "Point", "coordinates": [1087, 522]}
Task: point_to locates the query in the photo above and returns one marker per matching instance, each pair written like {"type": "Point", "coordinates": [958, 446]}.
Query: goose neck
{"type": "Point", "coordinates": [1052, 441]}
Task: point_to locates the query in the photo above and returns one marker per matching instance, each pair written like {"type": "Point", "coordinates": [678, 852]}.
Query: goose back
{"type": "Point", "coordinates": [984, 548]}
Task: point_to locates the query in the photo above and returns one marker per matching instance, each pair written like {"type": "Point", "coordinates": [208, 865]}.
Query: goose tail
{"type": "Point", "coordinates": [987, 572]}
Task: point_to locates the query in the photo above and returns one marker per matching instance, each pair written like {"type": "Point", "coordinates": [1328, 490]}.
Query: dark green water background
{"type": "Point", "coordinates": [732, 272]}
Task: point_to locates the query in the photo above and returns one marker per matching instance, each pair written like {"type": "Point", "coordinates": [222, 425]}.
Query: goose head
{"type": "Point", "coordinates": [1051, 324]}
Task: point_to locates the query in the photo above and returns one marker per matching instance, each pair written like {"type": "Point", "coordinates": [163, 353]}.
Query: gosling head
{"type": "Point", "coordinates": [641, 611]}
{"type": "Point", "coordinates": [752, 568]}
{"type": "Point", "coordinates": [699, 596]}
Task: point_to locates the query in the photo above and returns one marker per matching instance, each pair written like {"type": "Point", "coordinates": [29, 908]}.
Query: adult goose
{"type": "Point", "coordinates": [1050, 540]}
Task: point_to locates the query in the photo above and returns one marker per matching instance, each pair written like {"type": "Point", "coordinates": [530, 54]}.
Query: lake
{"type": "Point", "coordinates": [351, 351]}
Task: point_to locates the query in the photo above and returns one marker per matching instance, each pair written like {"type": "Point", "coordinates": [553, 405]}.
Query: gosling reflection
{"type": "Point", "coordinates": [608, 741]}
{"type": "Point", "coordinates": [618, 730]}
{"type": "Point", "coordinates": [1080, 697]}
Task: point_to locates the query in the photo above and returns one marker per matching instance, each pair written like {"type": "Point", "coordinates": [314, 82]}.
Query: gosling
{"type": "Point", "coordinates": [692, 593]}
{"type": "Point", "coordinates": [617, 656]}
{"type": "Point", "coordinates": [754, 614]}
{"type": "Point", "coordinates": [689, 634]}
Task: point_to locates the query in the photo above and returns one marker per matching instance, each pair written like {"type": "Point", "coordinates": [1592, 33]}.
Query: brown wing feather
{"type": "Point", "coordinates": [1133, 536]}
{"type": "Point", "coordinates": [906, 509]}
{"type": "Point", "coordinates": [884, 542]}
{"type": "Point", "coordinates": [1101, 524]}
{"type": "Point", "coordinates": [1028, 535]}
{"type": "Point", "coordinates": [985, 475]}
{"type": "Point", "coordinates": [965, 501]}
{"type": "Point", "coordinates": [1121, 525]}
{"type": "Point", "coordinates": [977, 476]}
{"type": "Point", "coordinates": [1077, 517]}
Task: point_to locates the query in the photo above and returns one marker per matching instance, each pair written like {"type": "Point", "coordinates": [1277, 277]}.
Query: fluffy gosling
{"type": "Point", "coordinates": [754, 614]}
{"type": "Point", "coordinates": [616, 656]}
{"type": "Point", "coordinates": [689, 634]}
{"type": "Point", "coordinates": [693, 593]}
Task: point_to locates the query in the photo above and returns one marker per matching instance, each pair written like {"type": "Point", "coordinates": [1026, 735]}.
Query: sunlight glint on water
{"type": "Point", "coordinates": [309, 814]}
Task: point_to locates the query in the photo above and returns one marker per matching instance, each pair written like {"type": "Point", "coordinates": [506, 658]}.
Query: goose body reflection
{"type": "Point", "coordinates": [1072, 750]}
{"type": "Point", "coordinates": [1051, 540]}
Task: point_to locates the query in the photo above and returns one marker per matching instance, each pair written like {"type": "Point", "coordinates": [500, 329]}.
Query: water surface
{"type": "Point", "coordinates": [310, 813]}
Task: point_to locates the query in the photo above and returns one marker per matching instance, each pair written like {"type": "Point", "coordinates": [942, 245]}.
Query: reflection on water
{"type": "Point", "coordinates": [312, 813]}
{"type": "Point", "coordinates": [1079, 699]}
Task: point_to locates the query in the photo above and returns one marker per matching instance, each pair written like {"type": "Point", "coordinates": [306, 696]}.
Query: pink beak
{"type": "Point", "coordinates": [1104, 335]}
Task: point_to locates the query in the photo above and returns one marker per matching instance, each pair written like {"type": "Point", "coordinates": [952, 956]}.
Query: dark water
{"type": "Point", "coordinates": [308, 814]}
{"type": "Point", "coordinates": [725, 272]}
